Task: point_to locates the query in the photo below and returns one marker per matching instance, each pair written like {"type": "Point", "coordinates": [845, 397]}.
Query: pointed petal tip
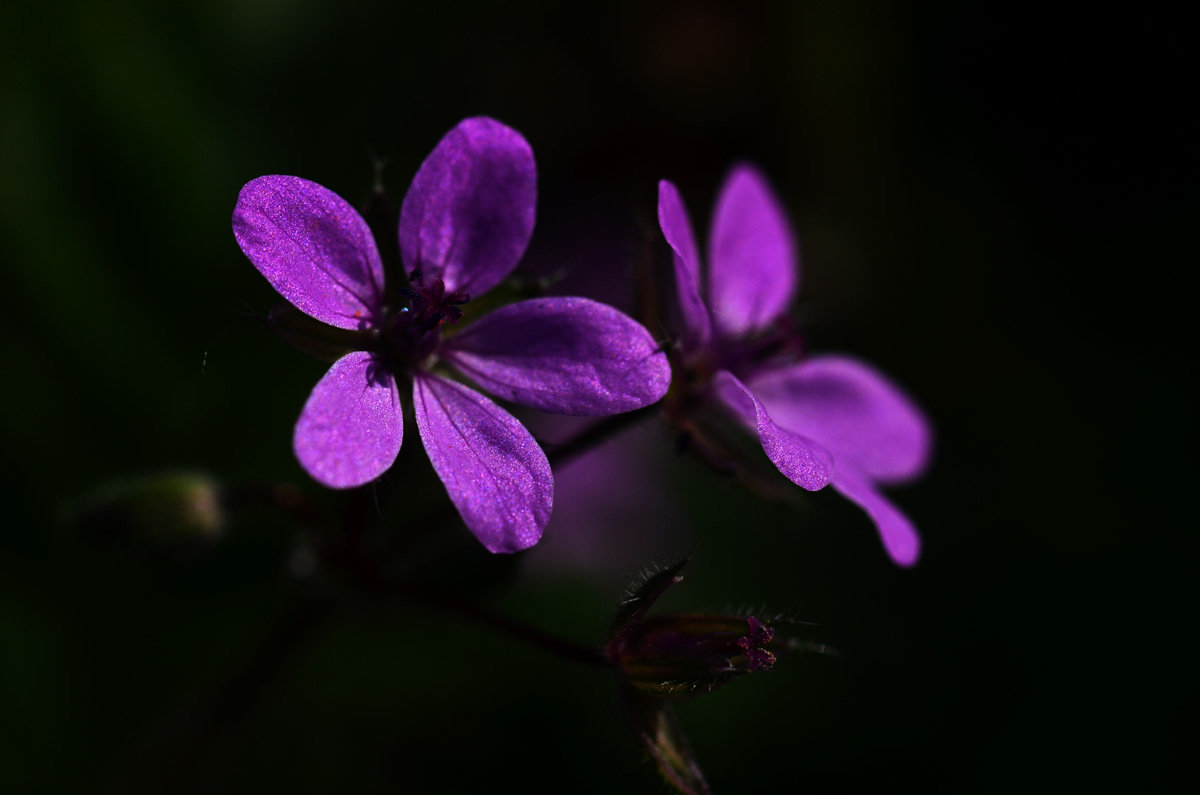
{"type": "Point", "coordinates": [896, 530]}
{"type": "Point", "coordinates": [747, 170]}
{"type": "Point", "coordinates": [507, 545]}
{"type": "Point", "coordinates": [905, 555]}
{"type": "Point", "coordinates": [901, 542]}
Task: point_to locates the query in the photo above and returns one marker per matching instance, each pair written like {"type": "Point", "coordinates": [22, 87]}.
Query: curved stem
{"type": "Point", "coordinates": [567, 650]}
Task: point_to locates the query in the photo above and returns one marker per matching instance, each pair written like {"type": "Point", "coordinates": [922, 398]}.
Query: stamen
{"type": "Point", "coordinates": [759, 635]}
{"type": "Point", "coordinates": [436, 291]}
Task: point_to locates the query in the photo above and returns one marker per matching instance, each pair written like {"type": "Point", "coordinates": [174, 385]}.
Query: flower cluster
{"type": "Point", "coordinates": [403, 339]}
{"type": "Point", "coordinates": [464, 225]}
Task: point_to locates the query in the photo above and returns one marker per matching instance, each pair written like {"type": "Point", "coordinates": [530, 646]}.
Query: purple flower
{"type": "Point", "coordinates": [464, 224]}
{"type": "Point", "coordinates": [821, 420]}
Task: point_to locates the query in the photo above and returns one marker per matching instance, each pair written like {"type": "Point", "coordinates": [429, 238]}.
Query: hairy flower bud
{"type": "Point", "coordinates": [671, 657]}
{"type": "Point", "coordinates": [684, 655]}
{"type": "Point", "coordinates": [678, 656]}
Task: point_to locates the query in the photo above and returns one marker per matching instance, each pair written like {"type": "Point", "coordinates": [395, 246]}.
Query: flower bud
{"type": "Point", "coordinates": [672, 657]}
{"type": "Point", "coordinates": [679, 656]}
{"type": "Point", "coordinates": [684, 655]}
{"type": "Point", "coordinates": [175, 507]}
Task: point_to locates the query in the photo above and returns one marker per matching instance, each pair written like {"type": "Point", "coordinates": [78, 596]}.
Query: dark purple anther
{"type": "Point", "coordinates": [759, 659]}
{"type": "Point", "coordinates": [431, 308]}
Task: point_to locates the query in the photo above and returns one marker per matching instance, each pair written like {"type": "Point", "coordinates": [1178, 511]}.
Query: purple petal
{"type": "Point", "coordinates": [900, 538]}
{"type": "Point", "coordinates": [469, 213]}
{"type": "Point", "coordinates": [495, 473]}
{"type": "Point", "coordinates": [853, 411]}
{"type": "Point", "coordinates": [677, 229]}
{"type": "Point", "coordinates": [801, 460]}
{"type": "Point", "coordinates": [351, 427]}
{"type": "Point", "coordinates": [565, 355]}
{"type": "Point", "coordinates": [752, 256]}
{"type": "Point", "coordinates": [313, 247]}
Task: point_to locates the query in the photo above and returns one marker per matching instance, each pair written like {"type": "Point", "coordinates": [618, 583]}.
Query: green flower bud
{"type": "Point", "coordinates": [171, 507]}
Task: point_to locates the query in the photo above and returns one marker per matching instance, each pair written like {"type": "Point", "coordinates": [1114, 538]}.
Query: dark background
{"type": "Point", "coordinates": [992, 204]}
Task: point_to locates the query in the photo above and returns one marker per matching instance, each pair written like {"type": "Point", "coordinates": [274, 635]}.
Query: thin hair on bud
{"type": "Point", "coordinates": [812, 647]}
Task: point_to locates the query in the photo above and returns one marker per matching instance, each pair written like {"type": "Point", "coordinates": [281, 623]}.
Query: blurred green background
{"type": "Point", "coordinates": [991, 204]}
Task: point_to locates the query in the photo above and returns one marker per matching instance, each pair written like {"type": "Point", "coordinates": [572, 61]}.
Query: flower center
{"type": "Point", "coordinates": [431, 305]}
{"type": "Point", "coordinates": [780, 344]}
{"type": "Point", "coordinates": [409, 335]}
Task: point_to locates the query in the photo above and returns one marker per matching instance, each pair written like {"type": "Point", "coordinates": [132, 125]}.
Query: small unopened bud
{"type": "Point", "coordinates": [685, 655]}
{"type": "Point", "coordinates": [169, 507]}
{"type": "Point", "coordinates": [670, 657]}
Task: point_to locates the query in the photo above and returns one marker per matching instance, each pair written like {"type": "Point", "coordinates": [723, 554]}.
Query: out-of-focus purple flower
{"type": "Point", "coordinates": [593, 536]}
{"type": "Point", "coordinates": [464, 224]}
{"type": "Point", "coordinates": [821, 420]}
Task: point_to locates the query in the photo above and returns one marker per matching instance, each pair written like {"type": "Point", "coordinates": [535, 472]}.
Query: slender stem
{"type": "Point", "coordinates": [364, 571]}
{"type": "Point", "coordinates": [179, 745]}
{"type": "Point", "coordinates": [532, 636]}
{"type": "Point", "coordinates": [567, 650]}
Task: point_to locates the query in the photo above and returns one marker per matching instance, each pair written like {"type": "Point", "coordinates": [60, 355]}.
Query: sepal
{"type": "Point", "coordinates": [312, 336]}
{"type": "Point", "coordinates": [641, 596]}
{"type": "Point", "coordinates": [687, 655]}
{"type": "Point", "coordinates": [659, 731]}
